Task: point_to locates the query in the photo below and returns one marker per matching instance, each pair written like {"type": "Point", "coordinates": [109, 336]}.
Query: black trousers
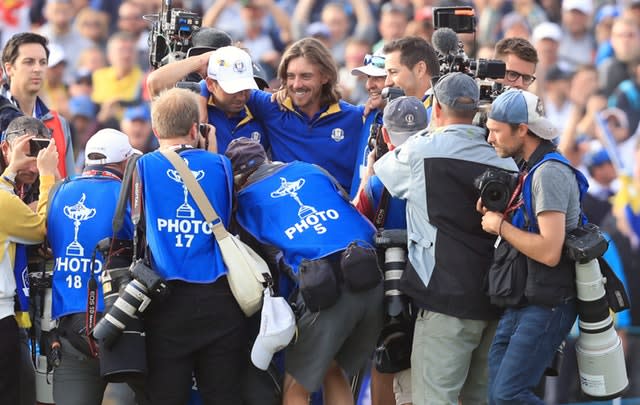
{"type": "Point", "coordinates": [198, 329]}
{"type": "Point", "coordinates": [9, 361]}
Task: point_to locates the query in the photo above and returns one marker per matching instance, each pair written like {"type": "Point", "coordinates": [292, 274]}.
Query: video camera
{"type": "Point", "coordinates": [170, 36]}
{"type": "Point", "coordinates": [451, 20]}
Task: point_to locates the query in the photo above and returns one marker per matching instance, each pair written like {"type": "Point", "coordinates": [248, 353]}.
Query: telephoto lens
{"type": "Point", "coordinates": [601, 364]}
{"type": "Point", "coordinates": [132, 299]}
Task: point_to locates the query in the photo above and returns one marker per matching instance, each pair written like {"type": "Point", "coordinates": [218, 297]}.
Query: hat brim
{"type": "Point", "coordinates": [260, 357]}
{"type": "Point", "coordinates": [199, 50]}
{"type": "Point", "coordinates": [236, 85]}
{"type": "Point", "coordinates": [368, 70]}
{"type": "Point", "coordinates": [543, 128]}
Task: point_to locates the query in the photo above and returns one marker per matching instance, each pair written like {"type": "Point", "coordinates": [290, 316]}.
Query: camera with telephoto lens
{"type": "Point", "coordinates": [170, 36]}
{"type": "Point", "coordinates": [496, 187]}
{"type": "Point", "coordinates": [599, 351]}
{"type": "Point", "coordinates": [131, 301]}
{"type": "Point", "coordinates": [585, 243]}
{"type": "Point", "coordinates": [393, 350]}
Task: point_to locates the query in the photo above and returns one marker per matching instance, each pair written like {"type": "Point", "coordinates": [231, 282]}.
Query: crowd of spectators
{"type": "Point", "coordinates": [587, 74]}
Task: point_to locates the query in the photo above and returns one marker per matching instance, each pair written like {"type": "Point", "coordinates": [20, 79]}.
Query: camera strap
{"type": "Point", "coordinates": [92, 307]}
{"type": "Point", "coordinates": [381, 213]}
{"type": "Point", "coordinates": [513, 204]}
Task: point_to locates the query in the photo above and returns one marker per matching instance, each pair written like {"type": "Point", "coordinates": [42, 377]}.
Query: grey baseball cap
{"type": "Point", "coordinates": [457, 91]}
{"type": "Point", "coordinates": [403, 117]}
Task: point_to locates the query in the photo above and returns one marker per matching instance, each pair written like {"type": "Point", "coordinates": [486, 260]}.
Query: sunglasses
{"type": "Point", "coordinates": [377, 61]}
{"type": "Point", "coordinates": [512, 76]}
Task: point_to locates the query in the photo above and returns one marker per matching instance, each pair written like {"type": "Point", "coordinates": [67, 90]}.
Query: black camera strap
{"type": "Point", "coordinates": [381, 213]}
{"type": "Point", "coordinates": [92, 307]}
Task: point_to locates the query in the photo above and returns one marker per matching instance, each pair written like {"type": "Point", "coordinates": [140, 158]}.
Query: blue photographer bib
{"type": "Point", "coordinates": [181, 241]}
{"type": "Point", "coordinates": [299, 209]}
{"type": "Point", "coordinates": [80, 216]}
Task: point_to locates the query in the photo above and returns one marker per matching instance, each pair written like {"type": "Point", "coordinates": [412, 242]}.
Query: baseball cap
{"type": "Point", "coordinates": [277, 327]}
{"type": "Point", "coordinates": [546, 30]}
{"type": "Point", "coordinates": [138, 112]}
{"type": "Point", "coordinates": [318, 30]}
{"type": "Point", "coordinates": [517, 106]}
{"type": "Point", "coordinates": [584, 6]}
{"type": "Point", "coordinates": [232, 68]}
{"type": "Point", "coordinates": [596, 158]}
{"type": "Point", "coordinates": [606, 11]}
{"type": "Point", "coordinates": [245, 153]}
{"type": "Point", "coordinates": [56, 55]}
{"type": "Point", "coordinates": [373, 66]}
{"type": "Point", "coordinates": [458, 91]}
{"type": "Point", "coordinates": [403, 117]}
{"type": "Point", "coordinates": [82, 106]}
{"type": "Point", "coordinates": [208, 39]}
{"type": "Point", "coordinates": [107, 146]}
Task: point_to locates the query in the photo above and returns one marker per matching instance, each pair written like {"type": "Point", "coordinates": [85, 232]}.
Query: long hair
{"type": "Point", "coordinates": [317, 54]}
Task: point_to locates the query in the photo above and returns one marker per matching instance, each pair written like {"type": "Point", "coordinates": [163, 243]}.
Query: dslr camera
{"type": "Point", "coordinates": [585, 243]}
{"type": "Point", "coordinates": [496, 187]}
{"type": "Point", "coordinates": [129, 294]}
{"type": "Point", "coordinates": [393, 350]}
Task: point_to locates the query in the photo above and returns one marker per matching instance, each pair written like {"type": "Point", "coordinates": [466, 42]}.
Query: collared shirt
{"type": "Point", "coordinates": [329, 139]}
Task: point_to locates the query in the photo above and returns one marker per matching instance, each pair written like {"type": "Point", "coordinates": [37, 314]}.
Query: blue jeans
{"type": "Point", "coordinates": [524, 345]}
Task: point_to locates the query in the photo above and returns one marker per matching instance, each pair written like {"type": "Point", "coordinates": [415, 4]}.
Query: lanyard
{"type": "Point", "coordinates": [104, 173]}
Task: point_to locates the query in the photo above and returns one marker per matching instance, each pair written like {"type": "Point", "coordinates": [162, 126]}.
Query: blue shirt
{"type": "Point", "coordinates": [241, 125]}
{"type": "Point", "coordinates": [329, 139]}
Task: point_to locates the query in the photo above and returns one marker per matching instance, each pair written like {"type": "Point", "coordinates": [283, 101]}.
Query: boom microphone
{"type": "Point", "coordinates": [445, 41]}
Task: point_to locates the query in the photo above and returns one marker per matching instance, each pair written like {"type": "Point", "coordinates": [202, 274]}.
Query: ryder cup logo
{"type": "Point", "coordinates": [77, 213]}
{"type": "Point", "coordinates": [310, 218]}
{"type": "Point", "coordinates": [239, 67]}
{"type": "Point", "coordinates": [255, 136]}
{"type": "Point", "coordinates": [185, 210]}
{"type": "Point", "coordinates": [337, 134]}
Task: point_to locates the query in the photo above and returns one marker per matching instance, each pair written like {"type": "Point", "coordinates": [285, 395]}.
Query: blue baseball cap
{"type": "Point", "coordinates": [138, 112]}
{"type": "Point", "coordinates": [82, 106]}
{"type": "Point", "coordinates": [596, 158]}
{"type": "Point", "coordinates": [517, 106]}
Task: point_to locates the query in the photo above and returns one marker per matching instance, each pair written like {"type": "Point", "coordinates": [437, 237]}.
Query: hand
{"type": "Point", "coordinates": [279, 96]}
{"type": "Point", "coordinates": [20, 158]}
{"type": "Point", "coordinates": [47, 160]}
{"type": "Point", "coordinates": [491, 222]}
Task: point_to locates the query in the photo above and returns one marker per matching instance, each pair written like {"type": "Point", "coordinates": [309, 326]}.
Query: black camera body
{"type": "Point", "coordinates": [496, 187]}
{"type": "Point", "coordinates": [170, 36]}
{"type": "Point", "coordinates": [585, 243]}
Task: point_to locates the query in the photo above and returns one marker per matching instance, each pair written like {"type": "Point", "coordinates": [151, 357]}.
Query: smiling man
{"type": "Point", "coordinates": [316, 126]}
{"type": "Point", "coordinates": [373, 70]}
{"type": "Point", "coordinates": [25, 58]}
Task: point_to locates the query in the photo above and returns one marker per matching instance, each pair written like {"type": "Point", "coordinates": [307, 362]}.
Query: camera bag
{"type": "Point", "coordinates": [318, 284]}
{"type": "Point", "coordinates": [248, 274]}
{"type": "Point", "coordinates": [359, 265]}
{"type": "Point", "coordinates": [507, 276]}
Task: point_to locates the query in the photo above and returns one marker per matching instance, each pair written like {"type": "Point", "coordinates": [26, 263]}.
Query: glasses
{"type": "Point", "coordinates": [377, 61]}
{"type": "Point", "coordinates": [512, 76]}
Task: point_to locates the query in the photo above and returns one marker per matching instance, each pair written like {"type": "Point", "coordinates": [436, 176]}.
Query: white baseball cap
{"type": "Point", "coordinates": [277, 327]}
{"type": "Point", "coordinates": [56, 55]}
{"type": "Point", "coordinates": [584, 6]}
{"type": "Point", "coordinates": [546, 30]}
{"type": "Point", "coordinates": [373, 66]}
{"type": "Point", "coordinates": [107, 146]}
{"type": "Point", "coordinates": [232, 68]}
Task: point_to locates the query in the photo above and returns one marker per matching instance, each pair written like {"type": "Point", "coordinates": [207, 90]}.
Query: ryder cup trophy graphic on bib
{"type": "Point", "coordinates": [290, 188]}
{"type": "Point", "coordinates": [185, 210]}
{"type": "Point", "coordinates": [78, 213]}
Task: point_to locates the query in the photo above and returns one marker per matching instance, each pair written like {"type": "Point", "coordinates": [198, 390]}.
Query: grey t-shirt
{"type": "Point", "coordinates": [554, 188]}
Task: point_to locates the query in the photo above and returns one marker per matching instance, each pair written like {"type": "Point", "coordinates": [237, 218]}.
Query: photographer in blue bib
{"type": "Point", "coordinates": [541, 308]}
{"type": "Point", "coordinates": [198, 327]}
{"type": "Point", "coordinates": [327, 252]}
{"type": "Point", "coordinates": [81, 214]}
